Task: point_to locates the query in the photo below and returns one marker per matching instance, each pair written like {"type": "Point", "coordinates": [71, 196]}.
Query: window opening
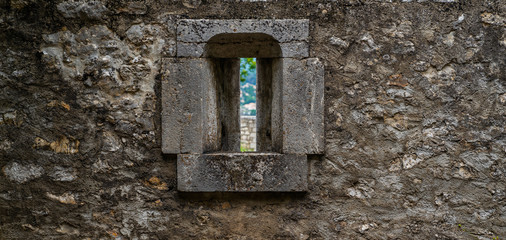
{"type": "Point", "coordinates": [201, 102]}
{"type": "Point", "coordinates": [248, 101]}
{"type": "Point", "coordinates": [260, 54]}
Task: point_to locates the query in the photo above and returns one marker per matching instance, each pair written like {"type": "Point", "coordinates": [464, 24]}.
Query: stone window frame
{"type": "Point", "coordinates": [199, 99]}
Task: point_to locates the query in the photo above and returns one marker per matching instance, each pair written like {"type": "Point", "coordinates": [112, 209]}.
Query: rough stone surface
{"type": "Point", "coordinates": [242, 172]}
{"type": "Point", "coordinates": [414, 124]}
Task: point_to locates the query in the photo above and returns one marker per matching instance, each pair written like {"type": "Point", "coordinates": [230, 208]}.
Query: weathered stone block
{"type": "Point", "coordinates": [303, 106]}
{"type": "Point", "coordinates": [242, 172]}
{"type": "Point", "coordinates": [182, 104]}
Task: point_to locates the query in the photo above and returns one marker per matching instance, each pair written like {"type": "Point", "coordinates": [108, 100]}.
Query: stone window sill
{"type": "Point", "coordinates": [242, 172]}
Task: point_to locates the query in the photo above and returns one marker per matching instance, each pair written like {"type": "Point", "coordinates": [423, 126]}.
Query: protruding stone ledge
{"type": "Point", "coordinates": [242, 172]}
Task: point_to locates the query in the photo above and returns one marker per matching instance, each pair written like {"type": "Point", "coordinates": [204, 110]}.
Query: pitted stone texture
{"type": "Point", "coordinates": [182, 105]}
{"type": "Point", "coordinates": [303, 106]}
{"type": "Point", "coordinates": [291, 34]}
{"type": "Point", "coordinates": [242, 172]}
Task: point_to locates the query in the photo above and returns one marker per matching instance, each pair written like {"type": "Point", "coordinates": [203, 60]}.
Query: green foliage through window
{"type": "Point", "coordinates": [248, 66]}
{"type": "Point", "coordinates": [248, 84]}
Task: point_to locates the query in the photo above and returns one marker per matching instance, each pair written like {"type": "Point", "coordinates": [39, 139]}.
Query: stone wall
{"type": "Point", "coordinates": [415, 144]}
{"type": "Point", "coordinates": [248, 132]}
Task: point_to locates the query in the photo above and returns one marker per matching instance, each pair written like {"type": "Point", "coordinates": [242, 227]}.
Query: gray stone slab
{"type": "Point", "coordinates": [183, 91]}
{"type": "Point", "coordinates": [201, 30]}
{"type": "Point", "coordinates": [242, 172]}
{"type": "Point", "coordinates": [303, 106]}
